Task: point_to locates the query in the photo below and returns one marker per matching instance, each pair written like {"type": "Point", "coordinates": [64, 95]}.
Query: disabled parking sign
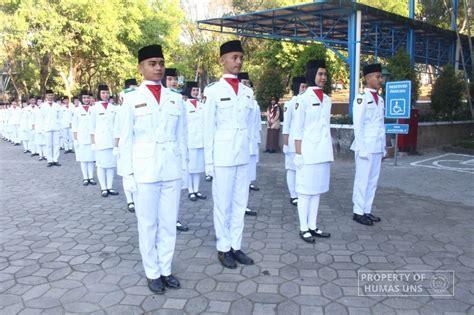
{"type": "Point", "coordinates": [398, 99]}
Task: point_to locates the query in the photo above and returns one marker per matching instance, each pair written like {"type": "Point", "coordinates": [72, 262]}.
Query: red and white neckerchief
{"type": "Point", "coordinates": [105, 104]}
{"type": "Point", "coordinates": [233, 81]}
{"type": "Point", "coordinates": [319, 93]}
{"type": "Point", "coordinates": [156, 91]}
{"type": "Point", "coordinates": [193, 102]}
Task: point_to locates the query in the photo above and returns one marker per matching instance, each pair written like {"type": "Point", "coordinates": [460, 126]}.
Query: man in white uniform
{"type": "Point", "coordinates": [227, 133]}
{"type": "Point", "coordinates": [102, 137]}
{"type": "Point", "coordinates": [369, 144]}
{"type": "Point", "coordinates": [298, 86]}
{"type": "Point", "coordinates": [31, 122]}
{"type": "Point", "coordinates": [24, 130]}
{"type": "Point", "coordinates": [40, 141]}
{"type": "Point", "coordinates": [14, 122]}
{"type": "Point", "coordinates": [66, 125]}
{"type": "Point", "coordinates": [153, 136]}
{"type": "Point", "coordinates": [51, 112]}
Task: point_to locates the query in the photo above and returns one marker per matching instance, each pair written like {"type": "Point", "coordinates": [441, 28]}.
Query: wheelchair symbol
{"type": "Point", "coordinates": [397, 107]}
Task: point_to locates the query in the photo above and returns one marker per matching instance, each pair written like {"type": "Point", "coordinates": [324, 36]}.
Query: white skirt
{"type": "Point", "coordinates": [105, 158]}
{"type": "Point", "coordinates": [289, 161]}
{"type": "Point", "coordinates": [253, 168]}
{"type": "Point", "coordinates": [313, 179]}
{"type": "Point", "coordinates": [84, 153]}
{"type": "Point", "coordinates": [196, 161]}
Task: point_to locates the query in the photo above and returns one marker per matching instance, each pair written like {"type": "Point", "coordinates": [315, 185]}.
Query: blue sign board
{"type": "Point", "coordinates": [396, 128]}
{"type": "Point", "coordinates": [398, 99]}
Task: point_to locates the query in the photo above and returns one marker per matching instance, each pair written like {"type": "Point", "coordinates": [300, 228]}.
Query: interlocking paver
{"type": "Point", "coordinates": [63, 248]}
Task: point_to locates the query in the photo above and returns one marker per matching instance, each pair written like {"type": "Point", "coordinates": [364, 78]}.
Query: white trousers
{"type": "Point", "coordinates": [26, 144]}
{"type": "Point", "coordinates": [129, 196]}
{"type": "Point", "coordinates": [106, 177]}
{"type": "Point", "coordinates": [156, 209]}
{"type": "Point", "coordinates": [41, 150]}
{"type": "Point", "coordinates": [14, 133]}
{"type": "Point", "coordinates": [31, 144]}
{"type": "Point", "coordinates": [67, 143]}
{"type": "Point", "coordinates": [365, 182]}
{"type": "Point", "coordinates": [193, 185]}
{"type": "Point", "coordinates": [230, 192]}
{"type": "Point", "coordinates": [291, 183]}
{"type": "Point", "coordinates": [308, 206]}
{"type": "Point", "coordinates": [52, 145]}
{"type": "Point", "coordinates": [87, 169]}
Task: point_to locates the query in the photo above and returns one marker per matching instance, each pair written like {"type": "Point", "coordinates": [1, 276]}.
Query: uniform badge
{"type": "Point", "coordinates": [101, 113]}
{"type": "Point", "coordinates": [297, 105]}
{"type": "Point", "coordinates": [225, 99]}
{"type": "Point", "coordinates": [359, 101]}
{"type": "Point", "coordinates": [140, 105]}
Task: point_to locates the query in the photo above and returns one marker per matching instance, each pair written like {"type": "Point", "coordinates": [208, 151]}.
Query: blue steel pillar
{"type": "Point", "coordinates": [411, 34]}
{"type": "Point", "coordinates": [354, 55]}
{"type": "Point", "coordinates": [454, 49]}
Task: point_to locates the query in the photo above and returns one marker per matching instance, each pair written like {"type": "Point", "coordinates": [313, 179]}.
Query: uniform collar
{"type": "Point", "coordinates": [370, 90]}
{"type": "Point", "coordinates": [148, 82]}
{"type": "Point", "coordinates": [229, 76]}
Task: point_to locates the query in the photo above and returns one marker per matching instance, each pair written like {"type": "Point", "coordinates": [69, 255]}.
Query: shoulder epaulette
{"type": "Point", "coordinates": [128, 90]}
{"type": "Point", "coordinates": [210, 84]}
{"type": "Point", "coordinates": [174, 90]}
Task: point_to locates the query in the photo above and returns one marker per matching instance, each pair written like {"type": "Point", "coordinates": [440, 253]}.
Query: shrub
{"type": "Point", "coordinates": [447, 93]}
{"type": "Point", "coordinates": [401, 69]}
{"type": "Point", "coordinates": [269, 85]}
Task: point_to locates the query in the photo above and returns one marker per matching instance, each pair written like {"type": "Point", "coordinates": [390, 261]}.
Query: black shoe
{"type": "Point", "coordinates": [294, 201]}
{"type": "Point", "coordinates": [66, 152]}
{"type": "Point", "coordinates": [250, 213]}
{"type": "Point", "coordinates": [192, 197]}
{"type": "Point", "coordinates": [307, 237]}
{"type": "Point", "coordinates": [26, 151]}
{"type": "Point", "coordinates": [227, 259]}
{"type": "Point", "coordinates": [319, 233]}
{"type": "Point", "coordinates": [242, 258]}
{"type": "Point", "coordinates": [49, 164]}
{"type": "Point", "coordinates": [85, 182]}
{"type": "Point", "coordinates": [131, 207]}
{"type": "Point", "coordinates": [362, 219]}
{"type": "Point", "coordinates": [56, 163]}
{"type": "Point", "coordinates": [208, 178]}
{"type": "Point", "coordinates": [253, 187]}
{"type": "Point", "coordinates": [372, 217]}
{"type": "Point", "coordinates": [200, 196]}
{"type": "Point", "coordinates": [92, 182]}
{"type": "Point", "coordinates": [181, 227]}
{"type": "Point", "coordinates": [156, 286]}
{"type": "Point", "coordinates": [104, 193]}
{"type": "Point", "coordinates": [34, 154]}
{"type": "Point", "coordinates": [112, 192]}
{"type": "Point", "coordinates": [171, 282]}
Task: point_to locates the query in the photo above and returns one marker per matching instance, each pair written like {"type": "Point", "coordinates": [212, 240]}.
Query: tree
{"type": "Point", "coordinates": [400, 69]}
{"type": "Point", "coordinates": [447, 93]}
{"type": "Point", "coordinates": [270, 85]}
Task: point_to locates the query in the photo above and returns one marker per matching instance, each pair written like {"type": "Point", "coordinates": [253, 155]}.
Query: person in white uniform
{"type": "Point", "coordinates": [153, 136]}
{"type": "Point", "coordinates": [80, 126]}
{"type": "Point", "coordinates": [254, 144]}
{"type": "Point", "coordinates": [298, 86]}
{"type": "Point", "coordinates": [313, 147]}
{"type": "Point", "coordinates": [24, 130]}
{"type": "Point", "coordinates": [195, 125]}
{"type": "Point", "coordinates": [31, 122]}
{"type": "Point", "coordinates": [102, 117]}
{"type": "Point", "coordinates": [170, 80]}
{"type": "Point", "coordinates": [51, 126]}
{"type": "Point", "coordinates": [130, 85]}
{"type": "Point", "coordinates": [14, 122]}
{"type": "Point", "coordinates": [227, 133]}
{"type": "Point", "coordinates": [40, 141]}
{"type": "Point", "coordinates": [369, 144]}
{"type": "Point", "coordinates": [66, 125]}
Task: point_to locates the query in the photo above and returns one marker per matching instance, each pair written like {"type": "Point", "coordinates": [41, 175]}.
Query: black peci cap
{"type": "Point", "coordinates": [375, 67]}
{"type": "Point", "coordinates": [151, 51]}
{"type": "Point", "coordinates": [231, 46]}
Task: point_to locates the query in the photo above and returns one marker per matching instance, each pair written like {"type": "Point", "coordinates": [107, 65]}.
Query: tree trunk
{"type": "Point", "coordinates": [44, 72]}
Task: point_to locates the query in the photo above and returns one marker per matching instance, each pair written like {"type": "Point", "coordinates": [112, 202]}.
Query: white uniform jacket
{"type": "Point", "coordinates": [312, 127]}
{"type": "Point", "coordinates": [51, 116]}
{"type": "Point", "coordinates": [195, 121]}
{"type": "Point", "coordinates": [66, 116]}
{"type": "Point", "coordinates": [14, 116]}
{"type": "Point", "coordinates": [368, 120]}
{"type": "Point", "coordinates": [153, 136]}
{"type": "Point", "coordinates": [102, 125]}
{"type": "Point", "coordinates": [81, 124]}
{"type": "Point", "coordinates": [25, 119]}
{"type": "Point", "coordinates": [38, 119]}
{"type": "Point", "coordinates": [289, 122]}
{"type": "Point", "coordinates": [227, 124]}
{"type": "Point", "coordinates": [256, 128]}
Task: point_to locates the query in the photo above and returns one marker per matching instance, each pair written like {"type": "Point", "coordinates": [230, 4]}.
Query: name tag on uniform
{"type": "Point", "coordinates": [101, 113]}
{"type": "Point", "coordinates": [316, 104]}
{"type": "Point", "coordinates": [248, 96]}
{"type": "Point", "coordinates": [140, 105]}
{"type": "Point", "coordinates": [193, 111]}
{"type": "Point", "coordinates": [83, 114]}
{"type": "Point", "coordinates": [225, 99]}
{"type": "Point", "coordinates": [370, 102]}
{"type": "Point", "coordinates": [172, 102]}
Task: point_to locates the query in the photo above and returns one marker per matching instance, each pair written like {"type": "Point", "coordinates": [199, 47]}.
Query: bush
{"type": "Point", "coordinates": [269, 85]}
{"type": "Point", "coordinates": [401, 69]}
{"type": "Point", "coordinates": [447, 93]}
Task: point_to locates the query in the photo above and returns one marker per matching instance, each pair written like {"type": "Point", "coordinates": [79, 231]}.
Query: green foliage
{"type": "Point", "coordinates": [401, 69]}
{"type": "Point", "coordinates": [447, 93]}
{"type": "Point", "coordinates": [270, 85]}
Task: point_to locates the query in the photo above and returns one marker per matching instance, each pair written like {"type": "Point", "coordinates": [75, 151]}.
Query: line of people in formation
{"type": "Point", "coordinates": [161, 142]}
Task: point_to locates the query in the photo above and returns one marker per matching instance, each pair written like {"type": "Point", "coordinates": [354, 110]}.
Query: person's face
{"type": "Point", "coordinates": [66, 101]}
{"type": "Point", "coordinates": [232, 62]}
{"type": "Point", "coordinates": [50, 97]}
{"type": "Point", "coordinates": [273, 101]}
{"type": "Point", "coordinates": [152, 69]}
{"type": "Point", "coordinates": [194, 92]}
{"type": "Point", "coordinates": [303, 87]}
{"type": "Point", "coordinates": [245, 82]}
{"type": "Point", "coordinates": [39, 102]}
{"type": "Point", "coordinates": [76, 102]}
{"type": "Point", "coordinates": [86, 99]}
{"type": "Point", "coordinates": [104, 95]}
{"type": "Point", "coordinates": [374, 80]}
{"type": "Point", "coordinates": [171, 82]}
{"type": "Point", "coordinates": [32, 101]}
{"type": "Point", "coordinates": [321, 77]}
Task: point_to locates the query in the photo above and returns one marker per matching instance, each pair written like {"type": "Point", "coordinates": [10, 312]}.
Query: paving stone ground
{"type": "Point", "coordinates": [64, 249]}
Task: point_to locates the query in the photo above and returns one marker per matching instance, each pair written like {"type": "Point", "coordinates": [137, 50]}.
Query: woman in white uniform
{"type": "Point", "coordinates": [102, 137]}
{"type": "Point", "coordinates": [313, 146]}
{"type": "Point", "coordinates": [194, 114]}
{"type": "Point", "coordinates": [82, 139]}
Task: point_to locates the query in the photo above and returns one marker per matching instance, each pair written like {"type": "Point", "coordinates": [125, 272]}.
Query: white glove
{"type": "Point", "coordinates": [363, 154]}
{"type": "Point", "coordinates": [285, 148]}
{"type": "Point", "coordinates": [298, 160]}
{"type": "Point", "coordinates": [210, 170]}
{"type": "Point", "coordinates": [129, 183]}
{"type": "Point", "coordinates": [115, 151]}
